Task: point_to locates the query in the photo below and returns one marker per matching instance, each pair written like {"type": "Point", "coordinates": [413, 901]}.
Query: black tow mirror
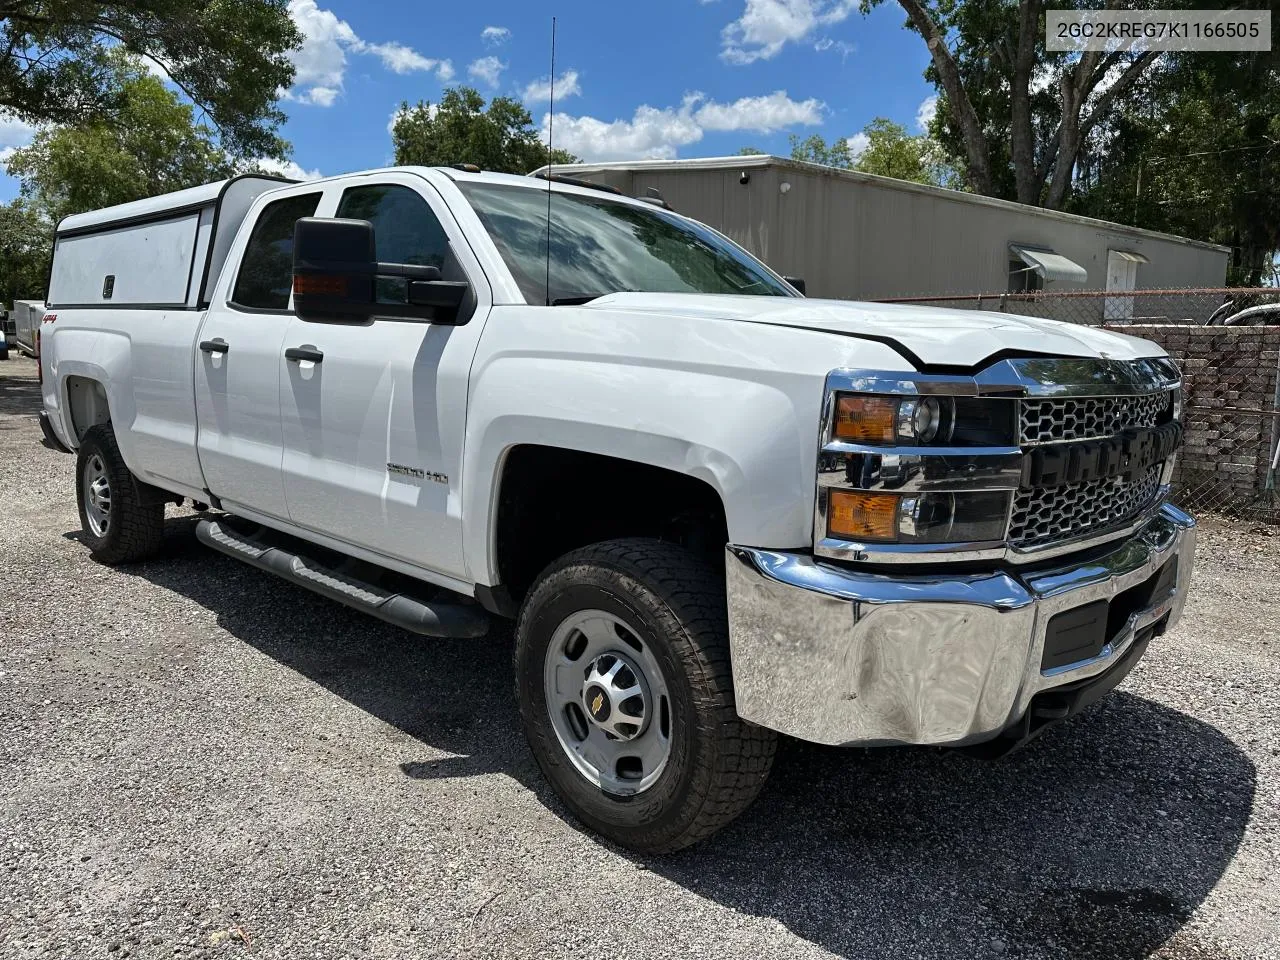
{"type": "Point", "coordinates": [338, 279]}
{"type": "Point", "coordinates": [797, 282]}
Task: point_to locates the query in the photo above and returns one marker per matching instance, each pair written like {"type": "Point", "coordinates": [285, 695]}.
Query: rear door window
{"type": "Point", "coordinates": [265, 279]}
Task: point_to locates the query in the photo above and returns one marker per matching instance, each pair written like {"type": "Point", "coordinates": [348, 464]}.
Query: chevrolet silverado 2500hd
{"type": "Point", "coordinates": [715, 509]}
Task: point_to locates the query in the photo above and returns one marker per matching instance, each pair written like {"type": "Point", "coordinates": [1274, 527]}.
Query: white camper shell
{"type": "Point", "coordinates": [161, 253]}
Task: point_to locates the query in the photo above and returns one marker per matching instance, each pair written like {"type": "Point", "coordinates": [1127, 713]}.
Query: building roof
{"type": "Point", "coordinates": [754, 161]}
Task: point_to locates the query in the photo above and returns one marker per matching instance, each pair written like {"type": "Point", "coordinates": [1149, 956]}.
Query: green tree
{"type": "Point", "coordinates": [459, 129]}
{"type": "Point", "coordinates": [892, 152]}
{"type": "Point", "coordinates": [1017, 114]}
{"type": "Point", "coordinates": [151, 145]}
{"type": "Point", "coordinates": [750, 152]}
{"type": "Point", "coordinates": [889, 152]}
{"type": "Point", "coordinates": [1195, 151]}
{"type": "Point", "coordinates": [26, 238]}
{"type": "Point", "coordinates": [229, 56]}
{"type": "Point", "coordinates": [814, 149]}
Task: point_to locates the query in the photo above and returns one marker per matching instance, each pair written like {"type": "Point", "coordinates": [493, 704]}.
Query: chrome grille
{"type": "Point", "coordinates": [1088, 418]}
{"type": "Point", "coordinates": [1048, 514]}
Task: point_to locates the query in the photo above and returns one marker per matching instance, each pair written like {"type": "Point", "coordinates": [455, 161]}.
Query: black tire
{"type": "Point", "coordinates": [134, 530]}
{"type": "Point", "coordinates": [717, 762]}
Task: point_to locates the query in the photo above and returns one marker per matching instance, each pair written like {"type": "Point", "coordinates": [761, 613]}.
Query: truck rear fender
{"type": "Point", "coordinates": [89, 377]}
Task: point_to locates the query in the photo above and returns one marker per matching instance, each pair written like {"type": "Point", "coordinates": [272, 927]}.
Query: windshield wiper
{"type": "Point", "coordinates": [575, 301]}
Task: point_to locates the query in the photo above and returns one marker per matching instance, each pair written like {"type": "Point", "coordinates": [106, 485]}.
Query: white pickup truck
{"type": "Point", "coordinates": [716, 510]}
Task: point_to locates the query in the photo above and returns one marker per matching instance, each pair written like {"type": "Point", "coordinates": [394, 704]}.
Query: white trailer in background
{"type": "Point", "coordinates": [26, 315]}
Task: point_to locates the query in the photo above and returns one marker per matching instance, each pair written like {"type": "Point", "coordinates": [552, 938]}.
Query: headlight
{"type": "Point", "coordinates": [923, 421]}
{"type": "Point", "coordinates": [861, 516]}
{"type": "Point", "coordinates": [891, 421]}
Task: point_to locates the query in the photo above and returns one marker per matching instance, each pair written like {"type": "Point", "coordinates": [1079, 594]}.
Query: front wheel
{"type": "Point", "coordinates": [118, 526]}
{"type": "Point", "coordinates": [623, 679]}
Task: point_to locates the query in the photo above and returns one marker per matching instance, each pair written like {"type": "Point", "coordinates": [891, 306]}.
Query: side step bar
{"type": "Point", "coordinates": [452, 620]}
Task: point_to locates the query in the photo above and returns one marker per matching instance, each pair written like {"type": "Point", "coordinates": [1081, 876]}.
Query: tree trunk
{"type": "Point", "coordinates": [1022, 145]}
{"type": "Point", "coordinates": [1076, 85]}
{"type": "Point", "coordinates": [978, 167]}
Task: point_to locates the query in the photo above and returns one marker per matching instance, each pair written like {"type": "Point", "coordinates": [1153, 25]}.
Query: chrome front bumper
{"type": "Point", "coordinates": [840, 656]}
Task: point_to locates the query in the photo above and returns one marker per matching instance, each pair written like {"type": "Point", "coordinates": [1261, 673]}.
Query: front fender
{"type": "Point", "coordinates": [753, 443]}
{"type": "Point", "coordinates": [736, 405]}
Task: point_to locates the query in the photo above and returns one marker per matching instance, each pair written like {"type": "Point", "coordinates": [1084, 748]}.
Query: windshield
{"type": "Point", "coordinates": [600, 246]}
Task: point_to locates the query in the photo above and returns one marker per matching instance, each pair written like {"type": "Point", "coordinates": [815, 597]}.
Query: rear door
{"type": "Point", "coordinates": [373, 422]}
{"type": "Point", "coordinates": [238, 361]}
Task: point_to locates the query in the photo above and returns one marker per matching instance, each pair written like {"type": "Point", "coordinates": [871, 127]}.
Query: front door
{"type": "Point", "coordinates": [1122, 276]}
{"type": "Point", "coordinates": [373, 413]}
{"type": "Point", "coordinates": [238, 366]}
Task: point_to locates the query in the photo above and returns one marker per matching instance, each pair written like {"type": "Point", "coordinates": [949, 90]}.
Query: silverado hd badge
{"type": "Point", "coordinates": [417, 473]}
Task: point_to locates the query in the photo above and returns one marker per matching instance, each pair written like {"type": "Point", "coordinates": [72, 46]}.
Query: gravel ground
{"type": "Point", "coordinates": [198, 760]}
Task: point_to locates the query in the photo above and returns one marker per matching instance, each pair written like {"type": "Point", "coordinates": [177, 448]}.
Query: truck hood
{"type": "Point", "coordinates": [933, 335]}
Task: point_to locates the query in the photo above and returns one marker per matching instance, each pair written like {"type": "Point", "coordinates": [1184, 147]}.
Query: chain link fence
{"type": "Point", "coordinates": [1212, 306]}
{"type": "Point", "coordinates": [1227, 343]}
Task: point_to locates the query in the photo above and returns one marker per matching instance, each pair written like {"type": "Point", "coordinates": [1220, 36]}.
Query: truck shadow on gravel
{"type": "Point", "coordinates": [1098, 840]}
{"type": "Point", "coordinates": [19, 396]}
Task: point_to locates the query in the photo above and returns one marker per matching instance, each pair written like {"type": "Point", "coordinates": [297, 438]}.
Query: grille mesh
{"type": "Point", "coordinates": [1088, 418]}
{"type": "Point", "coordinates": [1048, 514]}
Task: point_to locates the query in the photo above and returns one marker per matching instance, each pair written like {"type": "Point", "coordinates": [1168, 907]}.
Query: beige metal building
{"type": "Point", "coordinates": [857, 236]}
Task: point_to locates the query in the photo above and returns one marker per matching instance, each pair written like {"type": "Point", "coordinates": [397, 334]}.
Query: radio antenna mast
{"type": "Point", "coordinates": [551, 126]}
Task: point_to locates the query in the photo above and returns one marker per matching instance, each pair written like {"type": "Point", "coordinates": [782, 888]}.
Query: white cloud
{"type": "Point", "coordinates": [486, 69]}
{"type": "Point", "coordinates": [823, 44]}
{"type": "Point", "coordinates": [15, 132]}
{"type": "Point", "coordinates": [759, 114]}
{"type": "Point", "coordinates": [495, 36]}
{"type": "Point", "coordinates": [321, 62]}
{"type": "Point", "coordinates": [398, 58]}
{"type": "Point", "coordinates": [290, 169]}
{"type": "Point", "coordinates": [925, 113]}
{"type": "Point", "coordinates": [658, 133]}
{"type": "Point", "coordinates": [320, 96]}
{"type": "Point", "coordinates": [858, 144]}
{"type": "Point", "coordinates": [566, 86]}
{"type": "Point", "coordinates": [766, 26]}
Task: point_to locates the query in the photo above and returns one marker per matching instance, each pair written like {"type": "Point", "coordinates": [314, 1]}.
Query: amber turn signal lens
{"type": "Point", "coordinates": [322, 284]}
{"type": "Point", "coordinates": [862, 516]}
{"type": "Point", "coordinates": [866, 419]}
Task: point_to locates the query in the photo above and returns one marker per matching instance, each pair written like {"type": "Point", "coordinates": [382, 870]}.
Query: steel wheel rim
{"type": "Point", "coordinates": [615, 732]}
{"type": "Point", "coordinates": [97, 495]}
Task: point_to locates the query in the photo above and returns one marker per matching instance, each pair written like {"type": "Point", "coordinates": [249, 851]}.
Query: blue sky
{"type": "Point", "coordinates": [666, 78]}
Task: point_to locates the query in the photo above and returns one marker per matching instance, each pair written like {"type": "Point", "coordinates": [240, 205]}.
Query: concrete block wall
{"type": "Point", "coordinates": [1230, 377]}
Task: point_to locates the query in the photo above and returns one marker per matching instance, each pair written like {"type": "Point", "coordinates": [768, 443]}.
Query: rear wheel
{"type": "Point", "coordinates": [623, 680]}
{"type": "Point", "coordinates": [117, 525]}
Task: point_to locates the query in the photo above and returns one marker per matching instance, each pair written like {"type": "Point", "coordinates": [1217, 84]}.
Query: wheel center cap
{"type": "Point", "coordinates": [615, 697]}
{"type": "Point", "coordinates": [597, 701]}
